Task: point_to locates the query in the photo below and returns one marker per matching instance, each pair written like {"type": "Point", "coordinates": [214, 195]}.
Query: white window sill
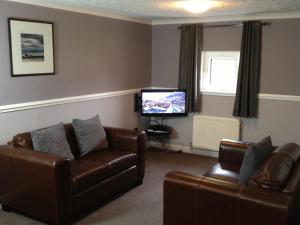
{"type": "Point", "coordinates": [215, 93]}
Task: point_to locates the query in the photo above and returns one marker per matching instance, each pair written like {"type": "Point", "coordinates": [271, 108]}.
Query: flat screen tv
{"type": "Point", "coordinates": [163, 102]}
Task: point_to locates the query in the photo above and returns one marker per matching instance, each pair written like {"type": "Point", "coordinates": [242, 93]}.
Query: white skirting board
{"type": "Point", "coordinates": [184, 148]}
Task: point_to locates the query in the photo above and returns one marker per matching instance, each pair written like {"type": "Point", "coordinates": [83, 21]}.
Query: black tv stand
{"type": "Point", "coordinates": [158, 130]}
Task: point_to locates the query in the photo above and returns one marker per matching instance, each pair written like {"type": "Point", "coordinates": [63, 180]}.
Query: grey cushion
{"type": "Point", "coordinates": [254, 157]}
{"type": "Point", "coordinates": [90, 135]}
{"type": "Point", "coordinates": [52, 140]}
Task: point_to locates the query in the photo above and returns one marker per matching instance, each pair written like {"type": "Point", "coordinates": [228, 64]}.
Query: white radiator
{"type": "Point", "coordinates": [208, 131]}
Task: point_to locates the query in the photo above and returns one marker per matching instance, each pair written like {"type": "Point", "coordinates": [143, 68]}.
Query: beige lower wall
{"type": "Point", "coordinates": [113, 111]}
{"type": "Point", "coordinates": [277, 118]}
{"type": "Point", "coordinates": [280, 119]}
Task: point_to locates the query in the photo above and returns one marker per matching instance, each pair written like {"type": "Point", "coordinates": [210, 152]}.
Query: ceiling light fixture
{"type": "Point", "coordinates": [196, 6]}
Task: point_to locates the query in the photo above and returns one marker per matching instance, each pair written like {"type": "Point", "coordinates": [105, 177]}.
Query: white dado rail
{"type": "Point", "coordinates": [261, 96]}
{"type": "Point", "coordinates": [294, 98]}
{"type": "Point", "coordinates": [81, 98]}
{"type": "Point", "coordinates": [66, 100]}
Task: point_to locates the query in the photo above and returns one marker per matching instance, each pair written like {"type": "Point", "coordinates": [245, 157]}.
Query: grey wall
{"type": "Point", "coordinates": [280, 58]}
{"type": "Point", "coordinates": [279, 75]}
{"type": "Point", "coordinates": [95, 54]}
{"type": "Point", "coordinates": [165, 56]}
{"type": "Point", "coordinates": [166, 50]}
{"type": "Point", "coordinates": [92, 54]}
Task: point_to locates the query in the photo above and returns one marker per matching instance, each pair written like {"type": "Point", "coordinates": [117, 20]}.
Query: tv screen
{"type": "Point", "coordinates": [163, 102]}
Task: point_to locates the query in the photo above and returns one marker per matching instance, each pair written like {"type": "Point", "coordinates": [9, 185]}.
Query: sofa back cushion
{"type": "Point", "coordinates": [254, 157]}
{"type": "Point", "coordinates": [70, 134]}
{"type": "Point", "coordinates": [24, 140]}
{"type": "Point", "coordinates": [52, 140]}
{"type": "Point", "coordinates": [276, 170]}
{"type": "Point", "coordinates": [90, 135]}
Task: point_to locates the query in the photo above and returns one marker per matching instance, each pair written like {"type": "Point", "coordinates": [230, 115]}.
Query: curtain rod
{"type": "Point", "coordinates": [229, 25]}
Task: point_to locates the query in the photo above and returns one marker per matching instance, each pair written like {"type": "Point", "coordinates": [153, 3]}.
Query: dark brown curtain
{"type": "Point", "coordinates": [246, 100]}
{"type": "Point", "coordinates": [190, 63]}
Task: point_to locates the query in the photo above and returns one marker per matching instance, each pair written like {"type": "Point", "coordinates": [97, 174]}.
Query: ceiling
{"type": "Point", "coordinates": [165, 12]}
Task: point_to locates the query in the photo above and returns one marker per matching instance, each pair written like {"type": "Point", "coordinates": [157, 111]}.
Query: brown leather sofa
{"type": "Point", "coordinates": [272, 197]}
{"type": "Point", "coordinates": [55, 189]}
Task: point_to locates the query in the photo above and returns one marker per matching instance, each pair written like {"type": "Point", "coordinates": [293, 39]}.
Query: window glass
{"type": "Point", "coordinates": [219, 71]}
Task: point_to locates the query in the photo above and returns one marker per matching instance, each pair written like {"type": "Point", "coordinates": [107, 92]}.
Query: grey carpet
{"type": "Point", "coordinates": [141, 205]}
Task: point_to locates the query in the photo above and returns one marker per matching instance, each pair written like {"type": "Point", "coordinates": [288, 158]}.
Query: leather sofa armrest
{"type": "Point", "coordinates": [247, 205]}
{"type": "Point", "coordinates": [125, 139]}
{"type": "Point", "coordinates": [36, 183]}
{"type": "Point", "coordinates": [231, 151]}
{"type": "Point", "coordinates": [198, 200]}
{"type": "Point", "coordinates": [181, 199]}
{"type": "Point", "coordinates": [129, 140]}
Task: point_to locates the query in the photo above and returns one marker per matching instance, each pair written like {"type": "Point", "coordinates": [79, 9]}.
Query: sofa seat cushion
{"type": "Point", "coordinates": [94, 168]}
{"type": "Point", "coordinates": [224, 171]}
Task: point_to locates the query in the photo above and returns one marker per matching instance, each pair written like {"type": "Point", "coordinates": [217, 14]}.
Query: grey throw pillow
{"type": "Point", "coordinates": [254, 157]}
{"type": "Point", "coordinates": [90, 135]}
{"type": "Point", "coordinates": [52, 140]}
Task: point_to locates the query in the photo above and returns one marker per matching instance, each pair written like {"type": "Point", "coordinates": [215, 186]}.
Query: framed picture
{"type": "Point", "coordinates": [31, 47]}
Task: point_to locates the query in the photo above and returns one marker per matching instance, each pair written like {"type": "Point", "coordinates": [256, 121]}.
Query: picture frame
{"type": "Point", "coordinates": [31, 45]}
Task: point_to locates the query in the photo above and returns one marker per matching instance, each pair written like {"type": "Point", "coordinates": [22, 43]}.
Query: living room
{"type": "Point", "coordinates": [102, 59]}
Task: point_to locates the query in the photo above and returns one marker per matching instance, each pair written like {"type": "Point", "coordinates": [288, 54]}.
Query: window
{"type": "Point", "coordinates": [219, 71]}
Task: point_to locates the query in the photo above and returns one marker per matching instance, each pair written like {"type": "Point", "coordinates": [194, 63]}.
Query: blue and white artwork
{"type": "Point", "coordinates": [32, 47]}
